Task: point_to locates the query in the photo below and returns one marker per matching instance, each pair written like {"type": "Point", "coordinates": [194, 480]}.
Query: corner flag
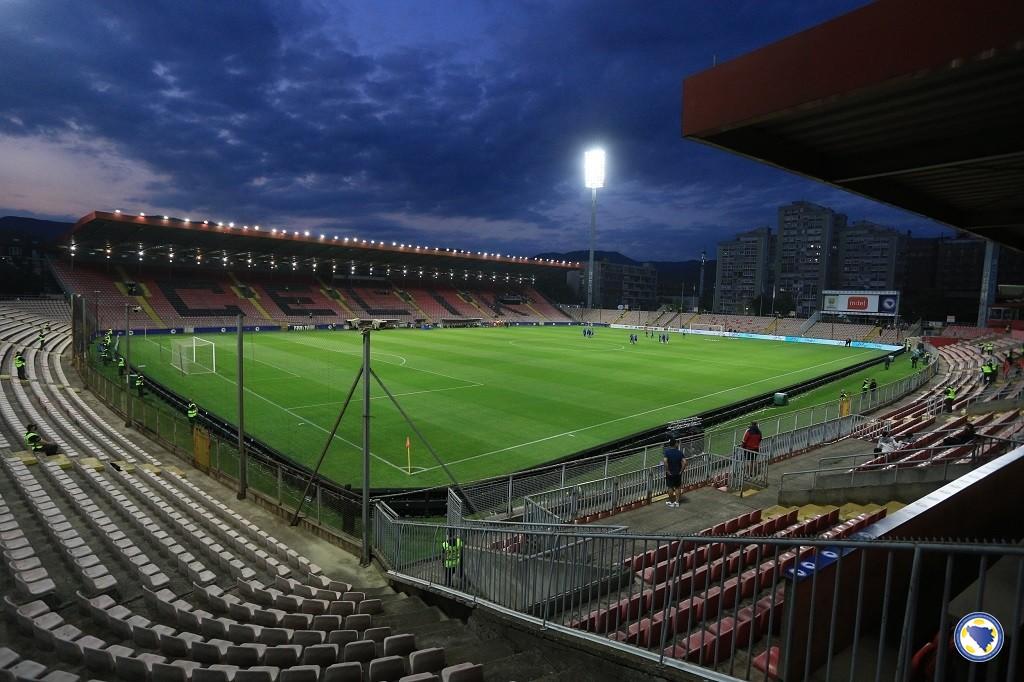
{"type": "Point", "coordinates": [408, 455]}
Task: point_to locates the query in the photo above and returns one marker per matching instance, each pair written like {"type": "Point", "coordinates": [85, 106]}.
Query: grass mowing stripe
{"type": "Point", "coordinates": [529, 387]}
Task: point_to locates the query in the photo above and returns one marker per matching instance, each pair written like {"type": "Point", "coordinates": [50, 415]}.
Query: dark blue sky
{"type": "Point", "coordinates": [447, 123]}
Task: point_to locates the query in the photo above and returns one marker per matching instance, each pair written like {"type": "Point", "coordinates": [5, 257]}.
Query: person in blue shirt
{"type": "Point", "coordinates": [675, 462]}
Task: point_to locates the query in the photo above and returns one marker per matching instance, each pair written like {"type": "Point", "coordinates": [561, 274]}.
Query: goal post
{"type": "Point", "coordinates": [194, 356]}
{"type": "Point", "coordinates": [715, 329]}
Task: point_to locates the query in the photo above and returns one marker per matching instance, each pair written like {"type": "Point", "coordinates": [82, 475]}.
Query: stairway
{"type": "Point", "coordinates": [254, 299]}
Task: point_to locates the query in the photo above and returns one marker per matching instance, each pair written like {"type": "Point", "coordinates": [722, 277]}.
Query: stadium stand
{"type": "Point", "coordinates": [692, 590]}
{"type": "Point", "coordinates": [170, 583]}
{"type": "Point", "coordinates": [839, 331]}
{"type": "Point", "coordinates": [212, 299]}
{"type": "Point", "coordinates": [916, 425]}
{"type": "Point", "coordinates": [739, 323]}
{"type": "Point", "coordinates": [964, 332]}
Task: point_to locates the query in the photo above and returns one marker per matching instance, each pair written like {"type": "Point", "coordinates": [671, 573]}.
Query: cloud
{"type": "Point", "coordinates": [453, 123]}
{"type": "Point", "coordinates": [75, 168]}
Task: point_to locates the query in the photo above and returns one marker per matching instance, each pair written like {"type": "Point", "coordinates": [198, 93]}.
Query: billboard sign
{"type": "Point", "coordinates": [861, 302]}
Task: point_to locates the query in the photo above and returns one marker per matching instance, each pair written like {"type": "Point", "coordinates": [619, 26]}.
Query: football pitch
{"type": "Point", "coordinates": [490, 401]}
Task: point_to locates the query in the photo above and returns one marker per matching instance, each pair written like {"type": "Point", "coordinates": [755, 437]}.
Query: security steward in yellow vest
{"type": "Point", "coordinates": [451, 555]}
{"type": "Point", "coordinates": [192, 411]}
{"type": "Point", "coordinates": [19, 364]}
{"type": "Point", "coordinates": [140, 384]}
{"type": "Point", "coordinates": [950, 398]}
{"type": "Point", "coordinates": [35, 442]}
{"type": "Point", "coordinates": [121, 365]}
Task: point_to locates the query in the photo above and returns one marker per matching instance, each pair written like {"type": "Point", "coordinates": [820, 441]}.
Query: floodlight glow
{"type": "Point", "coordinates": [593, 168]}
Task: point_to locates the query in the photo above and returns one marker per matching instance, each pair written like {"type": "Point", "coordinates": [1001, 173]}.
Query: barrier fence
{"type": "Point", "coordinates": [606, 495]}
{"type": "Point", "coordinates": [723, 439]}
{"type": "Point", "coordinates": [744, 604]}
{"type": "Point", "coordinates": [276, 482]}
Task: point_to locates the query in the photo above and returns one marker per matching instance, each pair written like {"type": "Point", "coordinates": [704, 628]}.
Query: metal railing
{"type": "Point", "coordinates": [723, 439]}
{"type": "Point", "coordinates": [504, 496]}
{"type": "Point", "coordinates": [275, 481]}
{"type": "Point", "coordinates": [607, 495]}
{"type": "Point", "coordinates": [728, 603]}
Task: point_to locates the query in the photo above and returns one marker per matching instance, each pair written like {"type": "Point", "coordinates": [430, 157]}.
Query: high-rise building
{"type": "Point", "coordinates": [632, 285]}
{"type": "Point", "coordinates": [869, 256]}
{"type": "Point", "coordinates": [744, 270]}
{"type": "Point", "coordinates": [805, 252]}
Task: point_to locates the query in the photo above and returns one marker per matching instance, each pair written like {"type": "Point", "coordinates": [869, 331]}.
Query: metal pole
{"type": "Point", "coordinates": [96, 309]}
{"type": "Point", "coordinates": [366, 448]}
{"type": "Point", "coordinates": [128, 362]}
{"type": "Point", "coordinates": [243, 468]}
{"type": "Point", "coordinates": [593, 242]}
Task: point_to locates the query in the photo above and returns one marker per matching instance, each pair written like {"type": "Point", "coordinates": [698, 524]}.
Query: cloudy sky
{"type": "Point", "coordinates": [458, 123]}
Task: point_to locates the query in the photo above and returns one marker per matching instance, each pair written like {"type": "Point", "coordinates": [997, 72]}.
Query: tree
{"type": "Point", "coordinates": [784, 303]}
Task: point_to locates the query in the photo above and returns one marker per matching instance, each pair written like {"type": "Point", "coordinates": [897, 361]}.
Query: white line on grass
{"type": "Point", "coordinates": [384, 397]}
{"type": "Point", "coordinates": [402, 364]}
{"type": "Point", "coordinates": [315, 426]}
{"type": "Point", "coordinates": [638, 414]}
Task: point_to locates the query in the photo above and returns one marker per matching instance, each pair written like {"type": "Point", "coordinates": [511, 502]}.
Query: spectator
{"type": "Point", "coordinates": [886, 444]}
{"type": "Point", "coordinates": [674, 462]}
{"type": "Point", "coordinates": [962, 437]}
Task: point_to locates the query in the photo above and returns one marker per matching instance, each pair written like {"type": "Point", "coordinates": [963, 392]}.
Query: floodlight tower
{"type": "Point", "coordinates": [593, 179]}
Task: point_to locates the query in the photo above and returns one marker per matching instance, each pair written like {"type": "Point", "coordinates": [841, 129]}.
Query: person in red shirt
{"type": "Point", "coordinates": [752, 438]}
{"type": "Point", "coordinates": [751, 445]}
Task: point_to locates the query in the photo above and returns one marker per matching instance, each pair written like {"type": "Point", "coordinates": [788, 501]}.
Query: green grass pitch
{"type": "Point", "coordinates": [490, 401]}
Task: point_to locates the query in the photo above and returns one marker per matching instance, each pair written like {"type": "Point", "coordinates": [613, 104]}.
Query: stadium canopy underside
{"type": "Point", "coordinates": [121, 235]}
{"type": "Point", "coordinates": [918, 105]}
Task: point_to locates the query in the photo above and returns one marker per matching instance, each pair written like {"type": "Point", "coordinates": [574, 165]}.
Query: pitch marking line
{"type": "Point", "coordinates": [401, 364]}
{"type": "Point", "coordinates": [315, 426]}
{"type": "Point", "coordinates": [384, 397]}
{"type": "Point", "coordinates": [638, 414]}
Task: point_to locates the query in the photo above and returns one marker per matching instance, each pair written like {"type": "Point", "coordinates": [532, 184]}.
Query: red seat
{"type": "Point", "coordinates": [731, 526]}
{"type": "Point", "coordinates": [755, 516]}
{"type": "Point", "coordinates": [768, 662]}
{"type": "Point", "coordinates": [631, 607]}
{"type": "Point", "coordinates": [688, 614]}
{"type": "Point", "coordinates": [748, 583]}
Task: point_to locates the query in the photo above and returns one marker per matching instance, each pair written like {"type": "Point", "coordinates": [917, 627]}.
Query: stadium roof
{"type": "Point", "coordinates": [100, 233]}
{"type": "Point", "coordinates": [918, 105]}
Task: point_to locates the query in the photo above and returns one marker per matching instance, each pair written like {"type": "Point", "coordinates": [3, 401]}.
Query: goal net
{"type": "Point", "coordinates": [706, 328]}
{"type": "Point", "coordinates": [194, 356]}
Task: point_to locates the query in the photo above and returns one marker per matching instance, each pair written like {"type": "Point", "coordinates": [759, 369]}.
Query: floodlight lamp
{"type": "Point", "coordinates": [593, 168]}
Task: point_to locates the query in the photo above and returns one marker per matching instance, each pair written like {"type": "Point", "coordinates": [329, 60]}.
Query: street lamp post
{"type": "Point", "coordinates": [593, 177]}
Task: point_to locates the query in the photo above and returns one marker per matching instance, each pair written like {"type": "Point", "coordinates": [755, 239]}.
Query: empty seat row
{"type": "Point", "coordinates": [74, 548]}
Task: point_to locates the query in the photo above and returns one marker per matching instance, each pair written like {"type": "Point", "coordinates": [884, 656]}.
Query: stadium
{"type": "Point", "coordinates": [245, 452]}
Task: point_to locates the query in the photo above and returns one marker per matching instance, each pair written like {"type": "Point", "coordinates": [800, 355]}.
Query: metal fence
{"type": "Point", "coordinates": [595, 499]}
{"type": "Point", "coordinates": [748, 606]}
{"type": "Point", "coordinates": [275, 481]}
{"type": "Point", "coordinates": [723, 439]}
{"type": "Point", "coordinates": [504, 497]}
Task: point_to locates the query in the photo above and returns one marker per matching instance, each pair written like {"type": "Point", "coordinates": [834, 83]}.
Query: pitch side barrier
{"type": "Point", "coordinates": [766, 337]}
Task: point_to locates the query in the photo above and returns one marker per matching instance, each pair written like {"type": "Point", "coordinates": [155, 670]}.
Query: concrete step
{"type": "Point", "coordinates": [401, 606]}
{"type": "Point", "coordinates": [473, 649]}
{"type": "Point", "coordinates": [439, 634]}
{"type": "Point", "coordinates": [401, 622]}
{"type": "Point", "coordinates": [526, 665]}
